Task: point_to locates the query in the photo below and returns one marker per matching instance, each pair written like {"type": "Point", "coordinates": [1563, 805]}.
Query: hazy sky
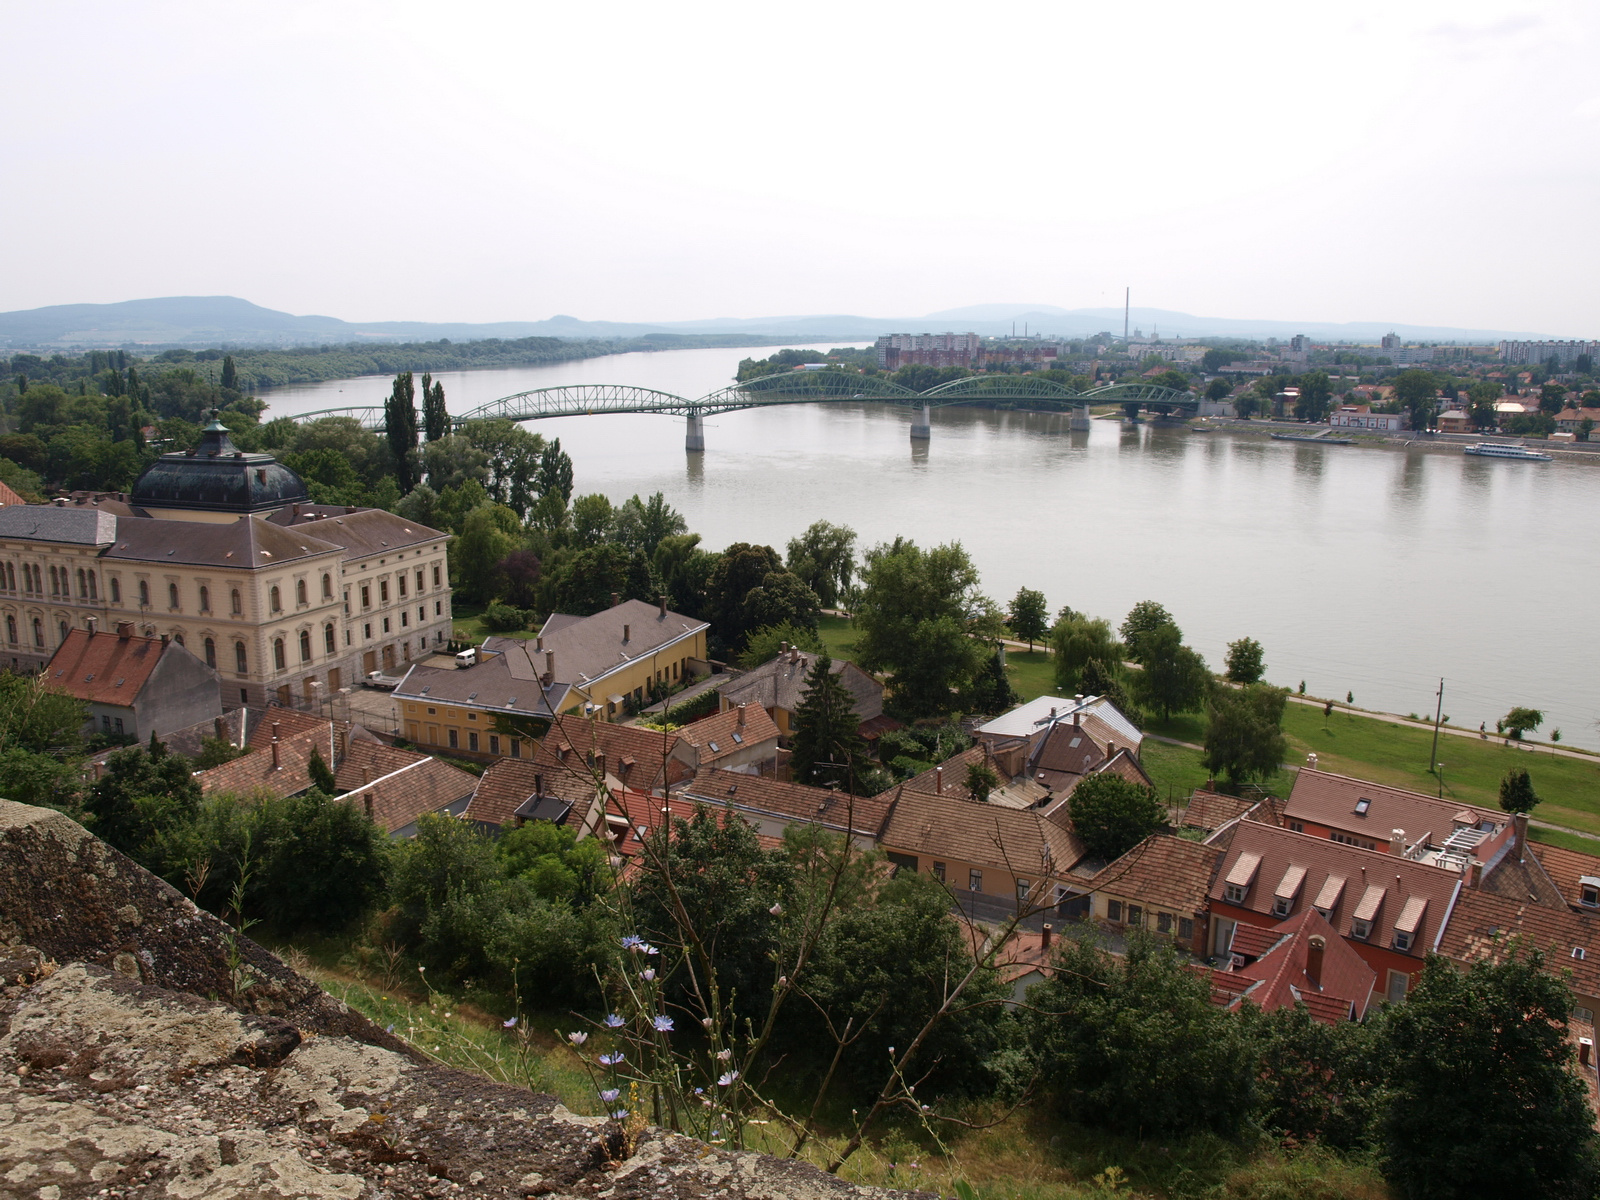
{"type": "Point", "coordinates": [1422, 162]}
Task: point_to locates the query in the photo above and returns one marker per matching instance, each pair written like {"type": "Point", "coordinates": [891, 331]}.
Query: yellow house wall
{"type": "Point", "coordinates": [998, 883]}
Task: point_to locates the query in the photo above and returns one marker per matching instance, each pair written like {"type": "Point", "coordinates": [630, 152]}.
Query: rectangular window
{"type": "Point", "coordinates": [494, 743]}
{"type": "Point", "coordinates": [938, 871]}
{"type": "Point", "coordinates": [1282, 906]}
{"type": "Point", "coordinates": [1235, 893]}
{"type": "Point", "coordinates": [1589, 896]}
{"type": "Point", "coordinates": [1114, 910]}
{"type": "Point", "coordinates": [472, 739]}
{"type": "Point", "coordinates": [1361, 929]}
{"type": "Point", "coordinates": [1297, 826]}
{"type": "Point", "coordinates": [119, 724]}
{"type": "Point", "coordinates": [1163, 922]}
{"type": "Point", "coordinates": [402, 582]}
{"type": "Point", "coordinates": [366, 596]}
{"type": "Point", "coordinates": [405, 620]}
{"type": "Point", "coordinates": [105, 722]}
{"type": "Point", "coordinates": [1398, 983]}
{"type": "Point", "coordinates": [974, 881]}
{"type": "Point", "coordinates": [516, 747]}
{"type": "Point", "coordinates": [453, 740]}
{"type": "Point", "coordinates": [1580, 1013]}
{"type": "Point", "coordinates": [1402, 940]}
{"type": "Point", "coordinates": [1186, 928]}
{"type": "Point", "coordinates": [435, 574]}
{"type": "Point", "coordinates": [438, 608]}
{"type": "Point", "coordinates": [1135, 915]}
{"type": "Point", "coordinates": [383, 591]}
{"type": "Point", "coordinates": [386, 624]}
{"type": "Point", "coordinates": [1023, 888]}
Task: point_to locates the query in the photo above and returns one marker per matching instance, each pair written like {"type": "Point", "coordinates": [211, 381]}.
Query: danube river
{"type": "Point", "coordinates": [1372, 571]}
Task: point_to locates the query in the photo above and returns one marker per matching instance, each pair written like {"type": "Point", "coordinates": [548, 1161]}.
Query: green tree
{"type": "Point", "coordinates": [555, 472]}
{"type": "Point", "coordinates": [1077, 641]}
{"type": "Point", "coordinates": [593, 519]}
{"type": "Point", "coordinates": [1245, 661]}
{"type": "Point", "coordinates": [1113, 815]}
{"type": "Point", "coordinates": [1483, 396]}
{"type": "Point", "coordinates": [1316, 397]}
{"type": "Point", "coordinates": [143, 805]}
{"type": "Point", "coordinates": [322, 864]}
{"type": "Point", "coordinates": [740, 570]}
{"type": "Point", "coordinates": [1483, 1099]}
{"type": "Point", "coordinates": [1244, 731]}
{"type": "Point", "coordinates": [1029, 617]}
{"type": "Point", "coordinates": [514, 458]}
{"type": "Point", "coordinates": [1552, 398]}
{"type": "Point", "coordinates": [1216, 359]}
{"type": "Point", "coordinates": [781, 599]}
{"type": "Point", "coordinates": [587, 578]}
{"type": "Point", "coordinates": [321, 774]}
{"type": "Point", "coordinates": [828, 750]}
{"type": "Point", "coordinates": [488, 534]}
{"type": "Point", "coordinates": [400, 428]}
{"type": "Point", "coordinates": [1516, 792]}
{"type": "Point", "coordinates": [1174, 678]}
{"type": "Point", "coordinates": [435, 416]}
{"type": "Point", "coordinates": [642, 525]}
{"type": "Point", "coordinates": [1175, 380]}
{"type": "Point", "coordinates": [1417, 391]}
{"type": "Point", "coordinates": [230, 374]}
{"type": "Point", "coordinates": [765, 643]}
{"type": "Point", "coordinates": [1134, 1044]}
{"type": "Point", "coordinates": [912, 621]}
{"type": "Point", "coordinates": [824, 557]}
{"type": "Point", "coordinates": [1519, 720]}
{"type": "Point", "coordinates": [1143, 619]}
{"type": "Point", "coordinates": [1218, 389]}
{"type": "Point", "coordinates": [980, 781]}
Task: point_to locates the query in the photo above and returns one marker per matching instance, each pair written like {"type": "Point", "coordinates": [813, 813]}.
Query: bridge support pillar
{"type": "Point", "coordinates": [695, 440]}
{"type": "Point", "coordinates": [922, 427]}
{"type": "Point", "coordinates": [1079, 421]}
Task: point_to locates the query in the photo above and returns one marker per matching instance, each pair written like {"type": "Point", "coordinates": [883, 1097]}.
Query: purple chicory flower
{"type": "Point", "coordinates": [390, 1029]}
{"type": "Point", "coordinates": [577, 1037]}
{"type": "Point", "coordinates": [609, 1095]}
{"type": "Point", "coordinates": [724, 1055]}
{"type": "Point", "coordinates": [648, 976]}
{"type": "Point", "coordinates": [620, 1115]}
{"type": "Point", "coordinates": [726, 1078]}
{"type": "Point", "coordinates": [632, 942]}
{"type": "Point", "coordinates": [511, 1024]}
{"type": "Point", "coordinates": [612, 1059]}
{"type": "Point", "coordinates": [613, 1021]}
{"type": "Point", "coordinates": [663, 1024]}
{"type": "Point", "coordinates": [648, 949]}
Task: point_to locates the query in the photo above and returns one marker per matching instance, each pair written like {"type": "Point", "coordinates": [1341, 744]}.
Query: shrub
{"type": "Point", "coordinates": [505, 618]}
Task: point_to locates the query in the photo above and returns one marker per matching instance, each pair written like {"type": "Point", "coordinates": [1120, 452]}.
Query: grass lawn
{"type": "Point", "coordinates": [838, 637]}
{"type": "Point", "coordinates": [1031, 674]}
{"type": "Point", "coordinates": [468, 626]}
{"type": "Point", "coordinates": [1399, 756]}
{"type": "Point", "coordinates": [1570, 841]}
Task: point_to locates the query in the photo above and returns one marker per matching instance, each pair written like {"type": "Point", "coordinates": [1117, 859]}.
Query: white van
{"type": "Point", "coordinates": [467, 657]}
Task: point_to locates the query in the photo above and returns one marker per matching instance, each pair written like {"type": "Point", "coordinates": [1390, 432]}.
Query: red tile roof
{"type": "Point", "coordinates": [1482, 923]}
{"type": "Point", "coordinates": [1163, 872]}
{"type": "Point", "coordinates": [1565, 868]}
{"type": "Point", "coordinates": [1279, 977]}
{"type": "Point", "coordinates": [103, 668]}
{"type": "Point", "coordinates": [714, 737]}
{"type": "Point", "coordinates": [791, 802]}
{"type": "Point", "coordinates": [988, 835]}
{"type": "Point", "coordinates": [1336, 801]}
{"type": "Point", "coordinates": [422, 784]}
{"type": "Point", "coordinates": [1212, 810]}
{"type": "Point", "coordinates": [1374, 886]}
{"type": "Point", "coordinates": [254, 771]}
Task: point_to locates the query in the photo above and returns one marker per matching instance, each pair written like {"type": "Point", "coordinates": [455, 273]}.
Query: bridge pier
{"type": "Point", "coordinates": [695, 440]}
{"type": "Point", "coordinates": [922, 430]}
{"type": "Point", "coordinates": [1079, 421]}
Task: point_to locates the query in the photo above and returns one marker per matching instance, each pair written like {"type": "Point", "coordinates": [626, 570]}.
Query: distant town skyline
{"type": "Point", "coordinates": [1345, 163]}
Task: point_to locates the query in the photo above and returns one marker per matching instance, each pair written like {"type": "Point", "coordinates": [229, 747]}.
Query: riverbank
{"type": "Point", "coordinates": [1410, 440]}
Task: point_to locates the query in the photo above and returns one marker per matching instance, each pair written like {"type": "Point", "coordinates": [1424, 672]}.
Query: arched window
{"type": "Point", "coordinates": [327, 638]}
{"type": "Point", "coordinates": [144, 594]}
{"type": "Point", "coordinates": [83, 585]}
{"type": "Point", "coordinates": [116, 590]}
{"type": "Point", "coordinates": [11, 630]}
{"type": "Point", "coordinates": [305, 645]}
{"type": "Point", "coordinates": [327, 587]}
{"type": "Point", "coordinates": [11, 578]}
{"type": "Point", "coordinates": [38, 632]}
{"type": "Point", "coordinates": [239, 660]}
{"type": "Point", "coordinates": [300, 591]}
{"type": "Point", "coordinates": [172, 595]}
{"type": "Point", "coordinates": [205, 599]}
{"type": "Point", "coordinates": [94, 588]}
{"type": "Point", "coordinates": [278, 658]}
{"type": "Point", "coordinates": [55, 585]}
{"type": "Point", "coordinates": [276, 598]}
{"type": "Point", "coordinates": [178, 637]}
{"type": "Point", "coordinates": [62, 626]}
{"type": "Point", "coordinates": [211, 653]}
{"type": "Point", "coordinates": [238, 602]}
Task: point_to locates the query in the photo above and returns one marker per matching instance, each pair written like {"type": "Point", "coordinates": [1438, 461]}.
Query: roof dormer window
{"type": "Point", "coordinates": [1362, 805]}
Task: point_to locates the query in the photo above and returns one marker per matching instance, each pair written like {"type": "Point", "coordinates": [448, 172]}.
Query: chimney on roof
{"type": "Point", "coordinates": [550, 663]}
{"type": "Point", "coordinates": [1519, 836]}
{"type": "Point", "coordinates": [616, 599]}
{"type": "Point", "coordinates": [938, 780]}
{"type": "Point", "coordinates": [366, 803]}
{"type": "Point", "coordinates": [366, 775]}
{"type": "Point", "coordinates": [1111, 749]}
{"type": "Point", "coordinates": [91, 623]}
{"type": "Point", "coordinates": [1077, 718]}
{"type": "Point", "coordinates": [538, 643]}
{"type": "Point", "coordinates": [276, 762]}
{"type": "Point", "coordinates": [663, 603]}
{"type": "Point", "coordinates": [741, 716]}
{"type": "Point", "coordinates": [1475, 873]}
{"type": "Point", "coordinates": [124, 630]}
{"type": "Point", "coordinates": [627, 633]}
{"type": "Point", "coordinates": [1314, 949]}
{"type": "Point", "coordinates": [600, 763]}
{"type": "Point", "coordinates": [538, 785]}
{"type": "Point", "coordinates": [219, 730]}
{"type": "Point", "coordinates": [783, 649]}
{"type": "Point", "coordinates": [1397, 843]}
{"type": "Point", "coordinates": [1044, 936]}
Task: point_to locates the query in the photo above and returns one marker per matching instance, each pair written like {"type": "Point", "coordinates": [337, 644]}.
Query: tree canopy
{"type": "Point", "coordinates": [1113, 815]}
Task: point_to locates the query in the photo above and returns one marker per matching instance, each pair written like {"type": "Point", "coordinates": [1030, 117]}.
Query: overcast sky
{"type": "Point", "coordinates": [1418, 162]}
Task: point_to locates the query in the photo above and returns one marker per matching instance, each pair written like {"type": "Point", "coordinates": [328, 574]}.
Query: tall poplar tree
{"type": "Point", "coordinates": [400, 427]}
{"type": "Point", "coordinates": [435, 419]}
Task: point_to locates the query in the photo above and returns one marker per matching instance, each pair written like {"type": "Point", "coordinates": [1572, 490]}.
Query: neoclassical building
{"type": "Point", "coordinates": [222, 551]}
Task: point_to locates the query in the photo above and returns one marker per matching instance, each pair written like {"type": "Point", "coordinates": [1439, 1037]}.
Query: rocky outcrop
{"type": "Point", "coordinates": [146, 1051]}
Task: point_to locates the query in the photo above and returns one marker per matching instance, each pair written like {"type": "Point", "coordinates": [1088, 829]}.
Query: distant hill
{"type": "Point", "coordinates": [229, 321]}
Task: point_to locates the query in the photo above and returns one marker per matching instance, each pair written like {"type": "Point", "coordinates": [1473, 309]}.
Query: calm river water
{"type": "Point", "coordinates": [1367, 570]}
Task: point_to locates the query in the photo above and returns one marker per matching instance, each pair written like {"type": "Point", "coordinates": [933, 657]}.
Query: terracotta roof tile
{"type": "Point", "coordinates": [1374, 811]}
{"type": "Point", "coordinates": [1163, 872]}
{"type": "Point", "coordinates": [1566, 868]}
{"type": "Point", "coordinates": [1482, 921]}
{"type": "Point", "coordinates": [103, 668]}
{"type": "Point", "coordinates": [988, 835]}
{"type": "Point", "coordinates": [791, 801]}
{"type": "Point", "coordinates": [421, 784]}
{"type": "Point", "coordinates": [1213, 810]}
{"type": "Point", "coordinates": [721, 735]}
{"type": "Point", "coordinates": [780, 683]}
{"type": "Point", "coordinates": [1278, 978]}
{"type": "Point", "coordinates": [254, 771]}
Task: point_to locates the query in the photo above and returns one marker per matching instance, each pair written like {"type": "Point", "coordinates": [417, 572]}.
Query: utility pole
{"type": "Point", "coordinates": [1433, 757]}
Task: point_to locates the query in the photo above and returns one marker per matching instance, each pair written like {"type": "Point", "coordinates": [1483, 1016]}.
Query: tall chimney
{"type": "Point", "coordinates": [1077, 718]}
{"type": "Point", "coordinates": [1044, 936]}
{"type": "Point", "coordinates": [165, 638]}
{"type": "Point", "coordinates": [783, 649]}
{"type": "Point", "coordinates": [550, 663]}
{"type": "Point", "coordinates": [538, 785]}
{"type": "Point", "coordinates": [92, 622]}
{"type": "Point", "coordinates": [538, 643]}
{"type": "Point", "coordinates": [627, 633]}
{"type": "Point", "coordinates": [1519, 835]}
{"type": "Point", "coordinates": [124, 630]}
{"type": "Point", "coordinates": [1397, 843]}
{"type": "Point", "coordinates": [276, 764]}
{"type": "Point", "coordinates": [616, 599]}
{"type": "Point", "coordinates": [218, 729]}
{"type": "Point", "coordinates": [741, 716]}
{"type": "Point", "coordinates": [663, 601]}
{"type": "Point", "coordinates": [938, 780]}
{"type": "Point", "coordinates": [1314, 949]}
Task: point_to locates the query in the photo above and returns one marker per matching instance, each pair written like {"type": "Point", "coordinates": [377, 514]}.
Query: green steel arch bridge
{"type": "Point", "coordinates": [800, 387]}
